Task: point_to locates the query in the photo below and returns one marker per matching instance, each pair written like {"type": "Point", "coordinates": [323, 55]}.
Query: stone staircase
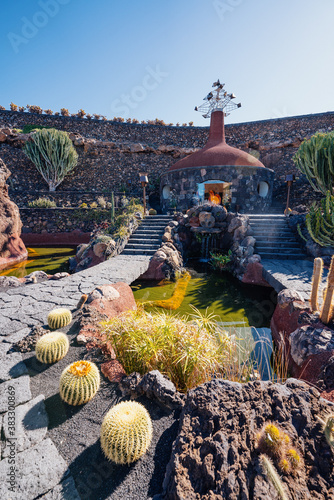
{"type": "Point", "coordinates": [274, 238]}
{"type": "Point", "coordinates": [147, 238]}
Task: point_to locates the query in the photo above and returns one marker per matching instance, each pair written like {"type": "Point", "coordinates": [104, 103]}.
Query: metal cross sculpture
{"type": "Point", "coordinates": [217, 99]}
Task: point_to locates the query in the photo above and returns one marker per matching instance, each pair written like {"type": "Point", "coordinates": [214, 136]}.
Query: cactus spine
{"type": "Point", "coordinates": [270, 472]}
{"type": "Point", "coordinates": [51, 347]}
{"type": "Point", "coordinates": [316, 280]}
{"type": "Point", "coordinates": [327, 308]}
{"type": "Point", "coordinates": [126, 432]}
{"type": "Point", "coordinates": [79, 382]}
{"type": "Point", "coordinates": [58, 318]}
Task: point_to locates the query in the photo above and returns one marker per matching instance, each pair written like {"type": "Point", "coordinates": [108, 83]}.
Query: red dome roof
{"type": "Point", "coordinates": [216, 152]}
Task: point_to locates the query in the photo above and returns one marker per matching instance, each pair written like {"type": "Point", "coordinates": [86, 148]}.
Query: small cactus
{"type": "Point", "coordinates": [82, 301]}
{"type": "Point", "coordinates": [79, 382]}
{"type": "Point", "coordinates": [126, 432]}
{"type": "Point", "coordinates": [327, 308]}
{"type": "Point", "coordinates": [293, 458]}
{"type": "Point", "coordinates": [328, 428]}
{"type": "Point", "coordinates": [316, 280]}
{"type": "Point", "coordinates": [58, 318]}
{"type": "Point", "coordinates": [270, 472]}
{"type": "Point", "coordinates": [272, 440]}
{"type": "Point", "coordinates": [51, 347]}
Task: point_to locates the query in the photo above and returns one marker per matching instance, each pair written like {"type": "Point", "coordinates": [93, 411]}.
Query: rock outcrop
{"type": "Point", "coordinates": [215, 455]}
{"type": "Point", "coordinates": [12, 249]}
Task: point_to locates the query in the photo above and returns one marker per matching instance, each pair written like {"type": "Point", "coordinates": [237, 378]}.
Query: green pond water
{"type": "Point", "coordinates": [234, 303]}
{"type": "Point", "coordinates": [49, 260]}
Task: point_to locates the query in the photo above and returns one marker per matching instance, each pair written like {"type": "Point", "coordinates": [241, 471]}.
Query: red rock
{"type": "Point", "coordinates": [112, 308]}
{"type": "Point", "coordinates": [154, 271]}
{"type": "Point", "coordinates": [253, 275]}
{"type": "Point", "coordinates": [113, 370]}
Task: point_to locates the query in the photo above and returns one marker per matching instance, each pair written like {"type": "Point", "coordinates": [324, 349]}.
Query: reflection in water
{"type": "Point", "coordinates": [49, 260]}
{"type": "Point", "coordinates": [233, 303]}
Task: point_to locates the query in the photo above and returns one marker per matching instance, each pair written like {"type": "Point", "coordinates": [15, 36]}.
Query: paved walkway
{"type": "Point", "coordinates": [293, 274]}
{"type": "Point", "coordinates": [40, 471]}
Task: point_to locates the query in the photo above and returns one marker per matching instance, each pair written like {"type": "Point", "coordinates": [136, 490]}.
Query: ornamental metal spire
{"type": "Point", "coordinates": [217, 99]}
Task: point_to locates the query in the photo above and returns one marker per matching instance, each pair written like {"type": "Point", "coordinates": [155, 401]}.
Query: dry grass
{"type": "Point", "coordinates": [188, 352]}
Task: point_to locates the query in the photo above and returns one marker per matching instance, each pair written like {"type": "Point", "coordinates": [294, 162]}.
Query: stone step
{"type": "Point", "coordinates": [143, 246]}
{"type": "Point", "coordinates": [268, 224]}
{"type": "Point", "coordinates": [133, 251]}
{"type": "Point", "coordinates": [283, 250]}
{"type": "Point", "coordinates": [273, 233]}
{"type": "Point", "coordinates": [281, 256]}
{"type": "Point", "coordinates": [152, 226]}
{"type": "Point", "coordinates": [148, 233]}
{"type": "Point", "coordinates": [277, 243]}
{"type": "Point", "coordinates": [283, 239]}
{"type": "Point", "coordinates": [143, 237]}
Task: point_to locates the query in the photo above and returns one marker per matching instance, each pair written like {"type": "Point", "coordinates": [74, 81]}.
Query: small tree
{"type": "Point", "coordinates": [315, 159]}
{"type": "Point", "coordinates": [53, 154]}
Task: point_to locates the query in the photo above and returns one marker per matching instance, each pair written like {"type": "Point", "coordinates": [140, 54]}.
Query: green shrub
{"type": "Point", "coordinates": [315, 159]}
{"type": "Point", "coordinates": [220, 261]}
{"type": "Point", "coordinates": [42, 203]}
{"type": "Point", "coordinates": [53, 154]}
{"type": "Point", "coordinates": [188, 352]}
{"type": "Point", "coordinates": [32, 127]}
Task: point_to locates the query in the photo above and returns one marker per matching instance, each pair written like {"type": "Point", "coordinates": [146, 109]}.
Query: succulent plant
{"type": "Point", "coordinates": [270, 472]}
{"type": "Point", "coordinates": [293, 457]}
{"type": "Point", "coordinates": [328, 428]}
{"type": "Point", "coordinates": [79, 382]}
{"type": "Point", "coordinates": [51, 347]}
{"type": "Point", "coordinates": [316, 280]}
{"type": "Point", "coordinates": [58, 318]}
{"type": "Point", "coordinates": [126, 432]}
{"type": "Point", "coordinates": [327, 307]}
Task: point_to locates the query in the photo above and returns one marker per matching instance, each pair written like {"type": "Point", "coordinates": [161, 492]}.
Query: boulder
{"type": "Point", "coordinates": [215, 455]}
{"type": "Point", "coordinates": [308, 340]}
{"type": "Point", "coordinates": [12, 249]}
{"type": "Point", "coordinates": [206, 219]}
{"type": "Point", "coordinates": [111, 300]}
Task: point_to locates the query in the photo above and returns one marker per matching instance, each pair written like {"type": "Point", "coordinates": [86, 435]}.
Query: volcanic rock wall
{"type": "Point", "coordinates": [112, 154]}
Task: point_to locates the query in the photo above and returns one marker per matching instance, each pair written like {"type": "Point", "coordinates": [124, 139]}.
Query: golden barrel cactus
{"type": "Point", "coordinates": [51, 347]}
{"type": "Point", "coordinates": [79, 382]}
{"type": "Point", "coordinates": [126, 432]}
{"type": "Point", "coordinates": [58, 318]}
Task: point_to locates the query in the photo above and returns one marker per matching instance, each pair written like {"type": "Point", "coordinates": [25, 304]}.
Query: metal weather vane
{"type": "Point", "coordinates": [217, 99]}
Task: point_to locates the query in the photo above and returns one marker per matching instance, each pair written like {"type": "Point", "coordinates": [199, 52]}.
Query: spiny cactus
{"type": "Point", "coordinates": [320, 221]}
{"type": "Point", "coordinates": [328, 428]}
{"type": "Point", "coordinates": [315, 159]}
{"type": "Point", "coordinates": [316, 280]}
{"type": "Point", "coordinates": [82, 301]}
{"type": "Point", "coordinates": [327, 307]}
{"type": "Point", "coordinates": [126, 432]}
{"type": "Point", "coordinates": [293, 457]}
{"type": "Point", "coordinates": [272, 441]}
{"type": "Point", "coordinates": [51, 347]}
{"type": "Point", "coordinates": [79, 382]}
{"type": "Point", "coordinates": [58, 318]}
{"type": "Point", "coordinates": [270, 472]}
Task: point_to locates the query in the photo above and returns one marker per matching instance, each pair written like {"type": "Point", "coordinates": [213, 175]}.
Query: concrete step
{"type": "Point", "coordinates": [132, 251]}
{"type": "Point", "coordinates": [144, 238]}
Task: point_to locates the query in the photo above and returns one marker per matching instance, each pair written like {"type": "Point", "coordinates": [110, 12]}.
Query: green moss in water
{"type": "Point", "coordinates": [234, 303]}
{"type": "Point", "coordinates": [49, 260]}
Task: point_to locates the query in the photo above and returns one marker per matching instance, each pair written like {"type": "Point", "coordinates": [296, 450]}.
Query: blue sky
{"type": "Point", "coordinates": [149, 59]}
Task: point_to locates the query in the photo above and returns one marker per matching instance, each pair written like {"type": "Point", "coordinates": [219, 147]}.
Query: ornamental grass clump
{"type": "Point", "coordinates": [189, 352]}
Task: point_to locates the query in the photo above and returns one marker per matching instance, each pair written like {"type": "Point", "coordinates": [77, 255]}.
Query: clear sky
{"type": "Point", "coordinates": [150, 59]}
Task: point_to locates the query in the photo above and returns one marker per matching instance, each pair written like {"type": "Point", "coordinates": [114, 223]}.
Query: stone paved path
{"type": "Point", "coordinates": [28, 456]}
{"type": "Point", "coordinates": [293, 274]}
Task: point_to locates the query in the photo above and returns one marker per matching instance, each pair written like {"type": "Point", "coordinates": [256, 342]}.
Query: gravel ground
{"type": "Point", "coordinates": [75, 432]}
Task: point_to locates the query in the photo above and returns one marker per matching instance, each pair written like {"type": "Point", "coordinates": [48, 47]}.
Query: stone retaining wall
{"type": "Point", "coordinates": [105, 165]}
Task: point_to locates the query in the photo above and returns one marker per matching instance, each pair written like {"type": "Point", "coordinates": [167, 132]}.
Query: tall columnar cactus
{"type": "Point", "coordinates": [320, 221]}
{"type": "Point", "coordinates": [51, 347]}
{"type": "Point", "coordinates": [126, 432]}
{"type": "Point", "coordinates": [53, 154]}
{"type": "Point", "coordinates": [79, 382]}
{"type": "Point", "coordinates": [315, 159]}
{"type": "Point", "coordinates": [58, 318]}
{"type": "Point", "coordinates": [328, 428]}
{"type": "Point", "coordinates": [270, 472]}
{"type": "Point", "coordinates": [327, 308]}
{"type": "Point", "coordinates": [112, 207]}
{"type": "Point", "coordinates": [316, 280]}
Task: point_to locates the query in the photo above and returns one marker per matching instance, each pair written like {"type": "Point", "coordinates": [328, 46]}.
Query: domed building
{"type": "Point", "coordinates": [219, 174]}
